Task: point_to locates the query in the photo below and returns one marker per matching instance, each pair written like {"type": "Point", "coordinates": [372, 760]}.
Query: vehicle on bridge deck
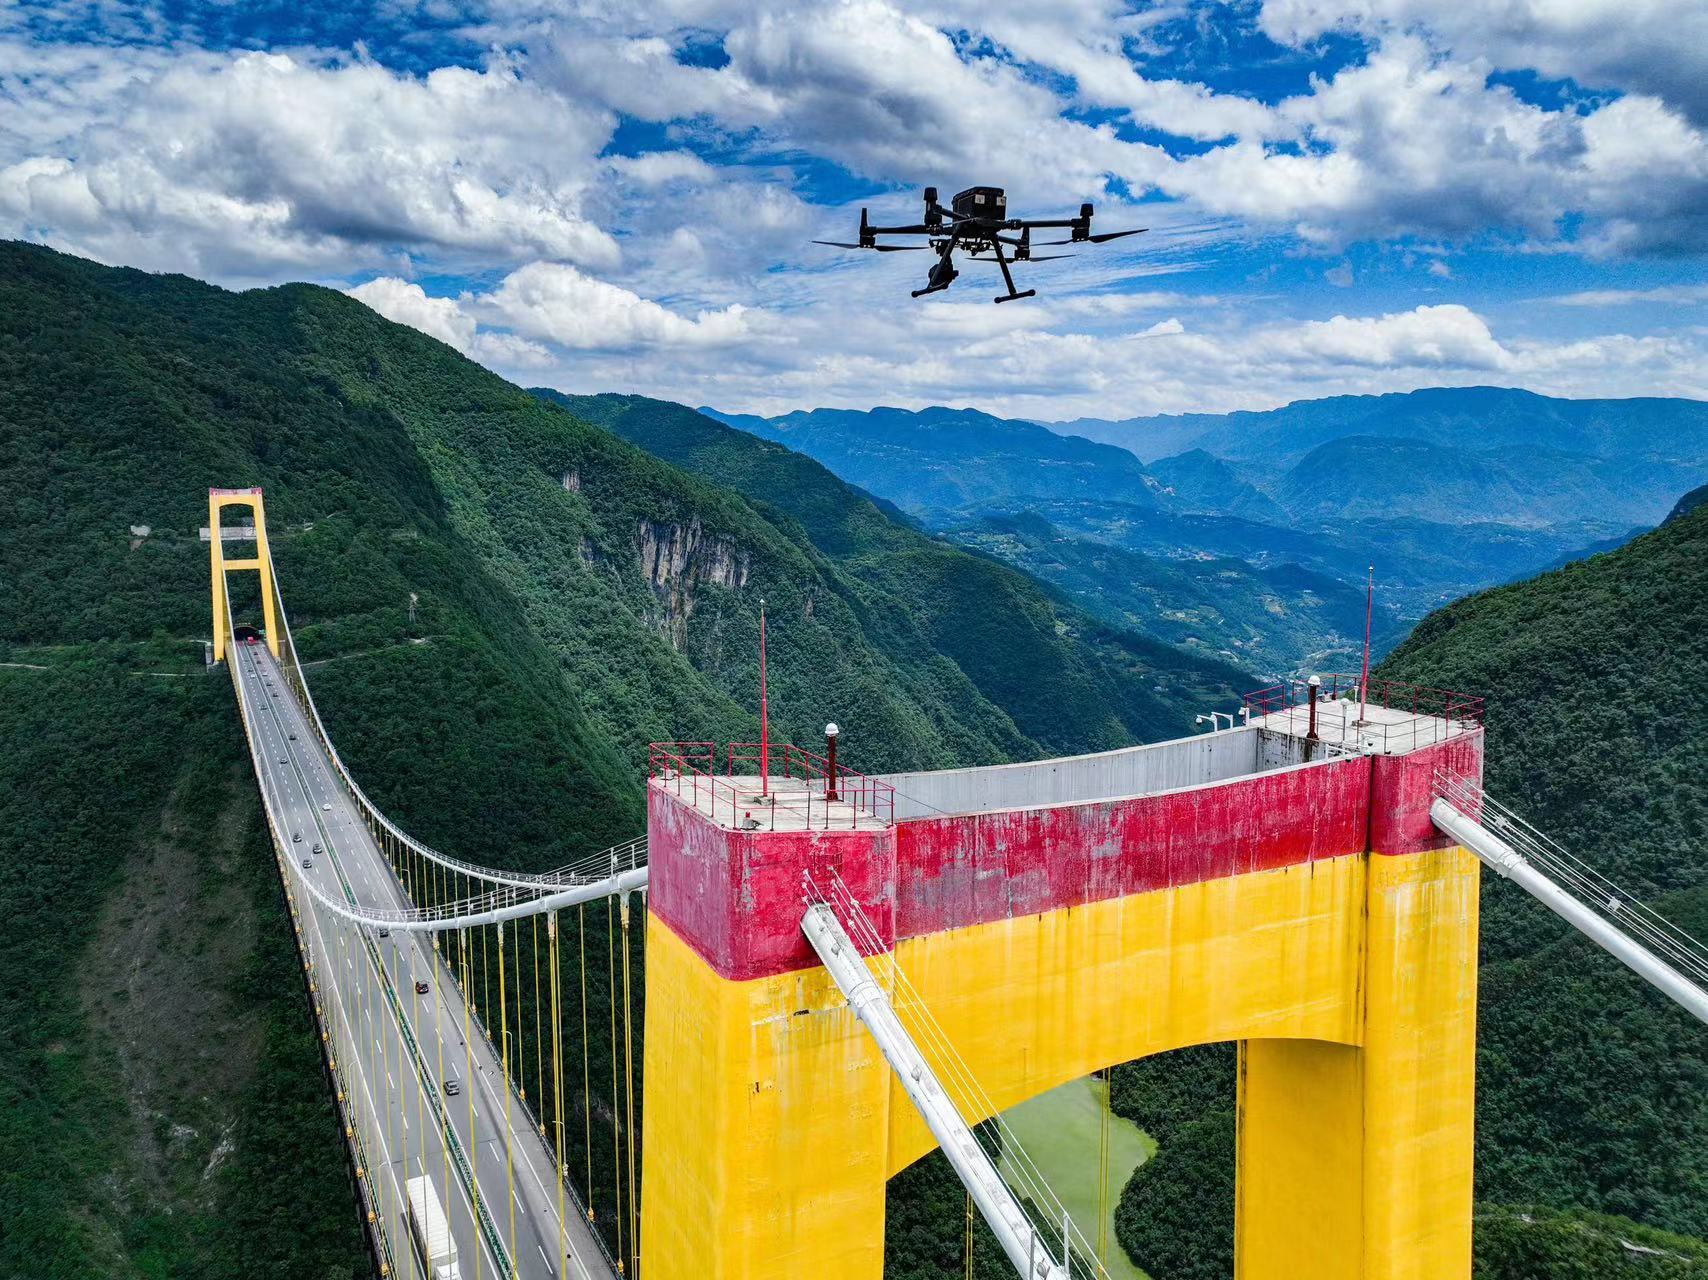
{"type": "Point", "coordinates": [453, 1088]}
{"type": "Point", "coordinates": [429, 1232]}
{"type": "Point", "coordinates": [420, 988]}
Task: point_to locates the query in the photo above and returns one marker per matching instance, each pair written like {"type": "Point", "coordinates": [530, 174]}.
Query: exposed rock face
{"type": "Point", "coordinates": [572, 481]}
{"type": "Point", "coordinates": [678, 558]}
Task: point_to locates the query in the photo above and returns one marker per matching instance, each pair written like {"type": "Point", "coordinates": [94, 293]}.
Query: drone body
{"type": "Point", "coordinates": [977, 223]}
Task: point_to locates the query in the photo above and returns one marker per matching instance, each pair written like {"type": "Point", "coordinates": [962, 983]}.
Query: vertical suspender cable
{"type": "Point", "coordinates": [504, 1041]}
{"type": "Point", "coordinates": [444, 1107]}
{"type": "Point", "coordinates": [468, 1078]}
{"type": "Point", "coordinates": [586, 1069]}
{"type": "Point", "coordinates": [629, 1078]}
{"type": "Point", "coordinates": [1103, 1170]}
{"type": "Point", "coordinates": [539, 1044]}
{"type": "Point", "coordinates": [616, 1115]}
{"type": "Point", "coordinates": [414, 1004]}
{"type": "Point", "coordinates": [557, 1083]}
{"type": "Point", "coordinates": [967, 1240]}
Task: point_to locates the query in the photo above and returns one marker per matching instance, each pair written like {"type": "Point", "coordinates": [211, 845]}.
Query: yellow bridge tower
{"type": "Point", "coordinates": [261, 562]}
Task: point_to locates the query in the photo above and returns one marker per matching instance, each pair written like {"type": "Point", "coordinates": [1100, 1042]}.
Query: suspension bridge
{"type": "Point", "coordinates": [844, 972]}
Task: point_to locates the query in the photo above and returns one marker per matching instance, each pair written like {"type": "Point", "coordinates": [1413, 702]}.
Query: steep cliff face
{"type": "Point", "coordinates": [678, 557]}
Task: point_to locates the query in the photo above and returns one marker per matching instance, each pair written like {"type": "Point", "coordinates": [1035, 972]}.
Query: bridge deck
{"type": "Point", "coordinates": [401, 1134]}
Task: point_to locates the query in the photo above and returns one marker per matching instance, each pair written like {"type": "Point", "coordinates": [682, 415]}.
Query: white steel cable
{"type": "Point", "coordinates": [1011, 1152]}
{"type": "Point", "coordinates": [492, 875]}
{"type": "Point", "coordinates": [1596, 891]}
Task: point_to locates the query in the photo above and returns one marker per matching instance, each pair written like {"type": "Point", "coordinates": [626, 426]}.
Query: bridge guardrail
{"type": "Point", "coordinates": [691, 768]}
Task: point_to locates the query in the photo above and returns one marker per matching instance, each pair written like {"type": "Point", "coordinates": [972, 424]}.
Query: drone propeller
{"type": "Point", "coordinates": [1036, 257]}
{"type": "Point", "coordinates": [881, 248]}
{"type": "Point", "coordinates": [1104, 238]}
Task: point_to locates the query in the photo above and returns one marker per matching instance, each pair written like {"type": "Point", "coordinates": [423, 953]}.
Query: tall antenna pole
{"type": "Point", "coordinates": [764, 713]}
{"type": "Point", "coordinates": [1364, 680]}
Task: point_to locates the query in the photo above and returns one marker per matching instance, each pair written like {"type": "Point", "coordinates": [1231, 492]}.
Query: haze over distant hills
{"type": "Point", "coordinates": [1444, 491]}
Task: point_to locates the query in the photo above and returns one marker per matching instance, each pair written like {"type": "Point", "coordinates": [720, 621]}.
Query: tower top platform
{"type": "Point", "coordinates": [727, 787]}
{"type": "Point", "coordinates": [1279, 731]}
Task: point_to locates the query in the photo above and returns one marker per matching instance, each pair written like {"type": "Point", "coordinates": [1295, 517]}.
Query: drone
{"type": "Point", "coordinates": [976, 222]}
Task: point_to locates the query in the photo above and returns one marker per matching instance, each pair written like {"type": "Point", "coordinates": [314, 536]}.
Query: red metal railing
{"type": "Point", "coordinates": [1428, 714]}
{"type": "Point", "coordinates": [797, 798]}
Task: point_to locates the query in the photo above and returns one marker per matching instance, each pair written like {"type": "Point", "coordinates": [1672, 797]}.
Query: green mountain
{"type": "Point", "coordinates": [1274, 620]}
{"type": "Point", "coordinates": [504, 603]}
{"type": "Point", "coordinates": [965, 603]}
{"type": "Point", "coordinates": [943, 459]}
{"type": "Point", "coordinates": [1470, 418]}
{"type": "Point", "coordinates": [1592, 1091]}
{"type": "Point", "coordinates": [1198, 481]}
{"type": "Point", "coordinates": [1445, 490]}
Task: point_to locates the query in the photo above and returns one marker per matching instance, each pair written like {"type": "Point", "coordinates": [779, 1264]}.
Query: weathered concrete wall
{"type": "Point", "coordinates": [1307, 910]}
{"type": "Point", "coordinates": [1131, 771]}
{"type": "Point", "coordinates": [736, 897]}
{"type": "Point", "coordinates": [977, 867]}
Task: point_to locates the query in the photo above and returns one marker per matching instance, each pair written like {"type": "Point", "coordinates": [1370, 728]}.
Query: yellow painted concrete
{"type": "Point", "coordinates": [1300, 1183]}
{"type": "Point", "coordinates": [773, 1123]}
{"type": "Point", "coordinates": [765, 1113]}
{"type": "Point", "coordinates": [1420, 1046]}
{"type": "Point", "coordinates": [1033, 1002]}
{"type": "Point", "coordinates": [220, 564]}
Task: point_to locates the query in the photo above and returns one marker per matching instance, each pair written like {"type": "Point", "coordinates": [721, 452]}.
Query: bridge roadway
{"type": "Point", "coordinates": [392, 1103]}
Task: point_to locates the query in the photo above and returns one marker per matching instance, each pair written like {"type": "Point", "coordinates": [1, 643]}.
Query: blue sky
{"type": "Point", "coordinates": [1343, 195]}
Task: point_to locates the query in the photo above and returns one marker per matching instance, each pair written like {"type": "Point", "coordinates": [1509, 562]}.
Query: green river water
{"type": "Point", "coordinates": [1060, 1131]}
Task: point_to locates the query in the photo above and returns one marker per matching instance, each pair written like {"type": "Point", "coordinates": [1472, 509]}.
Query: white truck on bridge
{"type": "Point", "coordinates": [430, 1232]}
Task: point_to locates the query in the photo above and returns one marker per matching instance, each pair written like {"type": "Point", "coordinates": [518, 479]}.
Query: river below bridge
{"type": "Point", "coordinates": [1061, 1131]}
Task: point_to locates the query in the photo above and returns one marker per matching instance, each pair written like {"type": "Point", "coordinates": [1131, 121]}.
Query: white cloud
{"type": "Point", "coordinates": [445, 319]}
{"type": "Point", "coordinates": [263, 163]}
{"type": "Point", "coordinates": [1680, 294]}
{"type": "Point", "coordinates": [1449, 336]}
{"type": "Point", "coordinates": [560, 304]}
{"type": "Point", "coordinates": [1408, 143]}
{"type": "Point", "coordinates": [1654, 47]}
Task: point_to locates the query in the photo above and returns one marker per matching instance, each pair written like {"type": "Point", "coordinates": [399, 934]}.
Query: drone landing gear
{"type": "Point", "coordinates": [1007, 276]}
{"type": "Point", "coordinates": [930, 288]}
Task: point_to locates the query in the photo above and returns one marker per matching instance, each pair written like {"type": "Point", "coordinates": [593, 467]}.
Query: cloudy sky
{"type": "Point", "coordinates": [1342, 195]}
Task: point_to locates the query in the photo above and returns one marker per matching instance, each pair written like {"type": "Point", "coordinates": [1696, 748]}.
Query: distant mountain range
{"type": "Point", "coordinates": [950, 459]}
{"type": "Point", "coordinates": [1444, 491]}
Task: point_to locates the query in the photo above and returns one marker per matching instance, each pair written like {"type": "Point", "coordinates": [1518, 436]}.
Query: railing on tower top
{"type": "Point", "coordinates": [1425, 714]}
{"type": "Point", "coordinates": [800, 795]}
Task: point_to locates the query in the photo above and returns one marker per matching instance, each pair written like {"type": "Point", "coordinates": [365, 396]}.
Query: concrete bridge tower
{"type": "Point", "coordinates": [1278, 884]}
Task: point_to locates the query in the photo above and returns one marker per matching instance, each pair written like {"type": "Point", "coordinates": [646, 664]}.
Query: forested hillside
{"type": "Point", "coordinates": [1592, 1090]}
{"type": "Point", "coordinates": [503, 604]}
{"type": "Point", "coordinates": [966, 603]}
